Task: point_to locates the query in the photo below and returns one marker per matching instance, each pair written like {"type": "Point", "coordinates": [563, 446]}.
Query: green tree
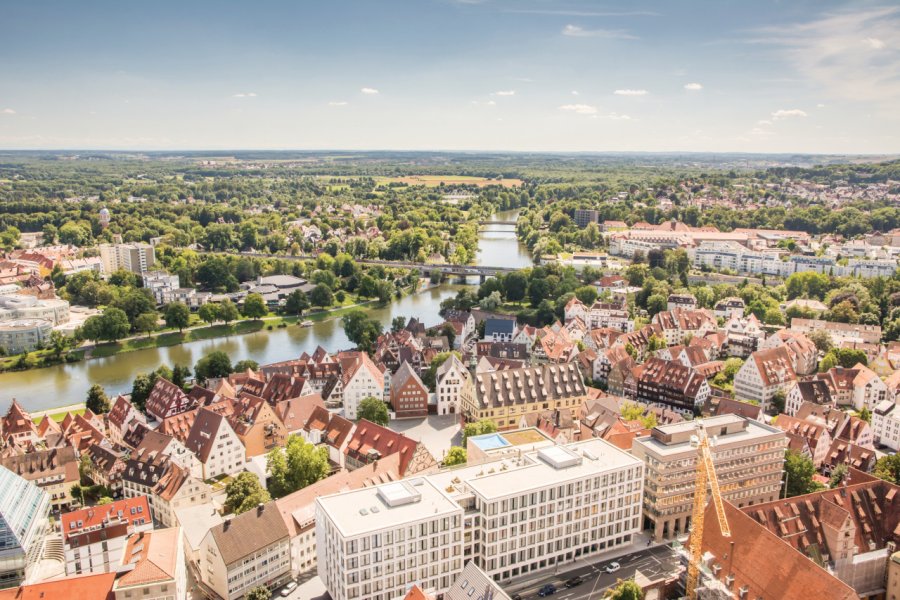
{"type": "Point", "coordinates": [296, 466]}
{"type": "Point", "coordinates": [97, 401]}
{"type": "Point", "coordinates": [60, 343]}
{"type": "Point", "coordinates": [177, 315]}
{"type": "Point", "coordinates": [112, 325]}
{"type": "Point", "coordinates": [838, 475]}
{"type": "Point", "coordinates": [135, 302]}
{"type": "Point", "coordinates": [865, 414]}
{"type": "Point", "coordinates": [398, 323]}
{"type": "Point", "coordinates": [260, 592]}
{"type": "Point", "coordinates": [143, 385]}
{"type": "Point", "coordinates": [515, 285]}
{"type": "Point", "coordinates": [180, 374]}
{"type": "Point", "coordinates": [361, 330]}
{"type": "Point", "coordinates": [777, 401]}
{"type": "Point", "coordinates": [822, 339]}
{"type": "Point", "coordinates": [625, 590]}
{"type": "Point", "coordinates": [656, 303]}
{"type": "Point", "coordinates": [587, 294]}
{"type": "Point", "coordinates": [373, 409]}
{"type": "Point", "coordinates": [798, 474]}
{"type": "Point", "coordinates": [455, 456]}
{"type": "Point", "coordinates": [321, 295]}
{"type": "Point", "coordinates": [296, 303]}
{"type": "Point", "coordinates": [215, 364]}
{"type": "Point", "coordinates": [228, 312]}
{"type": "Point", "coordinates": [477, 428]}
{"type": "Point", "coordinates": [888, 468]}
{"type": "Point", "coordinates": [209, 312]}
{"type": "Point", "coordinates": [254, 307]}
{"type": "Point", "coordinates": [243, 493]}
{"type": "Point", "coordinates": [146, 322]}
{"type": "Point", "coordinates": [242, 365]}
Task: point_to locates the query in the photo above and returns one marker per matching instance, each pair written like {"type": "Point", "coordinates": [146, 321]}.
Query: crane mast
{"type": "Point", "coordinates": [706, 476]}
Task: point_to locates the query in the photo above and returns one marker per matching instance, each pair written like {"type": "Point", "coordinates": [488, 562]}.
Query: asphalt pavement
{"type": "Point", "coordinates": [658, 560]}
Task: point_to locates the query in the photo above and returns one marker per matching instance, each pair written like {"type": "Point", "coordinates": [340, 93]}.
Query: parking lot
{"type": "Point", "coordinates": [437, 432]}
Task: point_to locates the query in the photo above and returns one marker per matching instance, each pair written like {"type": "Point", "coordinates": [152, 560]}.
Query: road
{"type": "Point", "coordinates": [651, 562]}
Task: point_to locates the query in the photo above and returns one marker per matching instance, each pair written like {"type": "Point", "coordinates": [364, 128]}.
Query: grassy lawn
{"type": "Point", "coordinates": [218, 482]}
{"type": "Point", "coordinates": [59, 416]}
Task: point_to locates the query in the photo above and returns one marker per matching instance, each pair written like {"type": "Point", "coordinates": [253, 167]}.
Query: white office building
{"type": "Point", "coordinates": [514, 516]}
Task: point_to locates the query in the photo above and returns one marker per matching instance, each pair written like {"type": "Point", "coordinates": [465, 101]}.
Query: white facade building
{"type": "Point", "coordinates": [514, 516]}
{"type": "Point", "coordinates": [450, 378]}
{"type": "Point", "coordinates": [886, 425]}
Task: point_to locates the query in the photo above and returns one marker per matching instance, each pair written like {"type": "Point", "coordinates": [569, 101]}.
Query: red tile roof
{"type": "Point", "coordinates": [84, 587]}
{"type": "Point", "coordinates": [133, 511]}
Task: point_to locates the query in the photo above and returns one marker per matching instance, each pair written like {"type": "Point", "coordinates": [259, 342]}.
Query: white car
{"type": "Point", "coordinates": [286, 591]}
{"type": "Point", "coordinates": [612, 567]}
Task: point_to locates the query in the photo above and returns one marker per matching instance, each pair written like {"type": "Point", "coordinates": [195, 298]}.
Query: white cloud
{"type": "Point", "coordinates": [8, 111]}
{"type": "Point", "coordinates": [788, 114]}
{"type": "Point", "coordinates": [820, 105]}
{"type": "Point", "coordinates": [337, 103]}
{"type": "Point", "coordinates": [693, 87]}
{"type": "Point", "coordinates": [764, 122]}
{"type": "Point", "coordinates": [369, 91]}
{"type": "Point", "coordinates": [244, 95]}
{"type": "Point", "coordinates": [848, 53]}
{"type": "Point", "coordinates": [615, 34]}
{"type": "Point", "coordinates": [581, 109]}
{"type": "Point", "coordinates": [574, 92]}
{"type": "Point", "coordinates": [491, 103]}
{"type": "Point", "coordinates": [631, 92]}
{"type": "Point", "coordinates": [505, 93]}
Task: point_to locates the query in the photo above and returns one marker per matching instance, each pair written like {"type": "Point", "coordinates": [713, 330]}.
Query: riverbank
{"type": "Point", "coordinates": [58, 414]}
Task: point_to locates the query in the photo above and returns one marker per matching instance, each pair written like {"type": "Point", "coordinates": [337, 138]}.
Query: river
{"type": "Point", "coordinates": [61, 385]}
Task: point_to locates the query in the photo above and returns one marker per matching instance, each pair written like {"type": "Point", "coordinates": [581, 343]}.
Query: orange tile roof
{"type": "Point", "coordinates": [155, 554]}
{"type": "Point", "coordinates": [83, 587]}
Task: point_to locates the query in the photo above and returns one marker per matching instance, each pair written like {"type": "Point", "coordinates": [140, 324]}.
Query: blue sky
{"type": "Point", "coordinates": [522, 75]}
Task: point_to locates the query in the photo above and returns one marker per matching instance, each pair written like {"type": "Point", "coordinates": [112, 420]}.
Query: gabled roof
{"type": "Point", "coordinates": [166, 397]}
{"type": "Point", "coordinates": [133, 511]}
{"type": "Point", "coordinates": [120, 410]}
{"type": "Point", "coordinates": [154, 555]}
{"type": "Point", "coordinates": [249, 532]}
{"type": "Point", "coordinates": [404, 374]}
{"type": "Point", "coordinates": [756, 560]}
{"type": "Point", "coordinates": [295, 412]}
{"type": "Point", "coordinates": [493, 326]}
{"type": "Point", "coordinates": [371, 440]}
{"type": "Point", "coordinates": [17, 420]}
{"type": "Point", "coordinates": [774, 365]}
{"type": "Point", "coordinates": [202, 438]}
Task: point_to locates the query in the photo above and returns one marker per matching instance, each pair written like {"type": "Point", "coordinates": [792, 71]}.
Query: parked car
{"type": "Point", "coordinates": [547, 590]}
{"type": "Point", "coordinates": [286, 590]}
{"type": "Point", "coordinates": [574, 581]}
{"type": "Point", "coordinates": [612, 567]}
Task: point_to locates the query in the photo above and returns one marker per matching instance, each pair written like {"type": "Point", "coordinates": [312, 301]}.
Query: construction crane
{"type": "Point", "coordinates": [706, 474]}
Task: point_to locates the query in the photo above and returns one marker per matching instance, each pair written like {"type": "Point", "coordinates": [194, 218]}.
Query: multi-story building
{"type": "Point", "coordinates": [160, 284]}
{"type": "Point", "coordinates": [450, 378]}
{"type": "Point", "coordinates": [23, 520]}
{"type": "Point", "coordinates": [584, 217]}
{"type": "Point", "coordinates": [503, 396]}
{"type": "Point", "coordinates": [361, 379]}
{"type": "Point", "coordinates": [137, 258]}
{"type": "Point", "coordinates": [517, 515]}
{"type": "Point", "coordinates": [215, 444]}
{"type": "Point", "coordinates": [764, 374]}
{"type": "Point", "coordinates": [840, 332]}
{"type": "Point", "coordinates": [250, 550]}
{"type": "Point", "coordinates": [409, 396]}
{"type": "Point", "coordinates": [671, 384]}
{"type": "Point", "coordinates": [24, 335]}
{"type": "Point", "coordinates": [154, 567]}
{"type": "Point", "coordinates": [21, 306]}
{"type": "Point", "coordinates": [168, 487]}
{"type": "Point", "coordinates": [886, 424]}
{"type": "Point", "coordinates": [54, 470]}
{"type": "Point", "coordinates": [748, 457]}
{"type": "Point", "coordinates": [94, 538]}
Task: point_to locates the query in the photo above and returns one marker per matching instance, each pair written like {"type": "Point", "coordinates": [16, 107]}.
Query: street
{"type": "Point", "coordinates": [659, 560]}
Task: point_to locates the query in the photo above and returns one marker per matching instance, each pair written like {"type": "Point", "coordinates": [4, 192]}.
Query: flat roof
{"type": "Point", "coordinates": [524, 436]}
{"type": "Point", "coordinates": [754, 430]}
{"type": "Point", "coordinates": [601, 458]}
{"type": "Point", "coordinates": [352, 511]}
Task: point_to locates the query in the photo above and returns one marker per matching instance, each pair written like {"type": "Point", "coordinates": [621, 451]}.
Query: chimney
{"type": "Point", "coordinates": [259, 508]}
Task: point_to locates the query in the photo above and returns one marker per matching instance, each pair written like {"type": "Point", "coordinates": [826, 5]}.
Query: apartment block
{"type": "Point", "coordinates": [137, 258]}
{"type": "Point", "coordinates": [95, 537]}
{"type": "Point", "coordinates": [584, 217]}
{"type": "Point", "coordinates": [523, 513]}
{"type": "Point", "coordinates": [748, 456]}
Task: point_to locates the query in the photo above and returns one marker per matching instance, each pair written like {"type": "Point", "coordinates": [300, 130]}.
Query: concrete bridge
{"type": "Point", "coordinates": [483, 223]}
{"type": "Point", "coordinates": [449, 270]}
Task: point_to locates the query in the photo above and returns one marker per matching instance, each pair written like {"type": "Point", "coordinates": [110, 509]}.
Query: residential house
{"type": "Point", "coordinates": [450, 378]}
{"type": "Point", "coordinates": [94, 538]}
{"type": "Point", "coordinates": [682, 301]}
{"type": "Point", "coordinates": [803, 351]}
{"type": "Point", "coordinates": [295, 412]}
{"type": "Point", "coordinates": [672, 384]}
{"type": "Point", "coordinates": [815, 434]}
{"type": "Point", "coordinates": [331, 430]}
{"type": "Point", "coordinates": [257, 425]}
{"type": "Point", "coordinates": [361, 380]}
{"type": "Point", "coordinates": [120, 417]}
{"type": "Point", "coordinates": [215, 444]}
{"type": "Point", "coordinates": [764, 374]}
{"type": "Point", "coordinates": [54, 470]}
{"type": "Point", "coordinates": [726, 307]}
{"type": "Point", "coordinates": [499, 330]}
{"type": "Point", "coordinates": [167, 486]}
{"type": "Point", "coordinates": [409, 396]}
{"type": "Point", "coordinates": [249, 550]}
{"type": "Point", "coordinates": [167, 399]}
{"type": "Point", "coordinates": [886, 425]}
{"type": "Point", "coordinates": [814, 391]}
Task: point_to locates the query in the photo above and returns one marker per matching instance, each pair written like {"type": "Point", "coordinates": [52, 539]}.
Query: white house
{"type": "Point", "coordinates": [362, 379]}
{"type": "Point", "coordinates": [94, 538]}
{"type": "Point", "coordinates": [763, 374]}
{"type": "Point", "coordinates": [449, 381]}
{"type": "Point", "coordinates": [215, 444]}
{"type": "Point", "coordinates": [886, 425]}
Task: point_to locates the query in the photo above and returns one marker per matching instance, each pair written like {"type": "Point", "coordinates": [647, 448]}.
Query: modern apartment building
{"type": "Point", "coordinates": [584, 217]}
{"type": "Point", "coordinates": [748, 456]}
{"type": "Point", "coordinates": [137, 258]}
{"type": "Point", "coordinates": [523, 513]}
{"type": "Point", "coordinates": [95, 538]}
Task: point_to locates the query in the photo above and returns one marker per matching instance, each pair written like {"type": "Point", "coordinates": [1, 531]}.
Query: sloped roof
{"type": "Point", "coordinates": [202, 438]}
{"type": "Point", "coordinates": [155, 555]}
{"type": "Point", "coordinates": [80, 587]}
{"type": "Point", "coordinates": [249, 532]}
{"type": "Point", "coordinates": [295, 412]}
